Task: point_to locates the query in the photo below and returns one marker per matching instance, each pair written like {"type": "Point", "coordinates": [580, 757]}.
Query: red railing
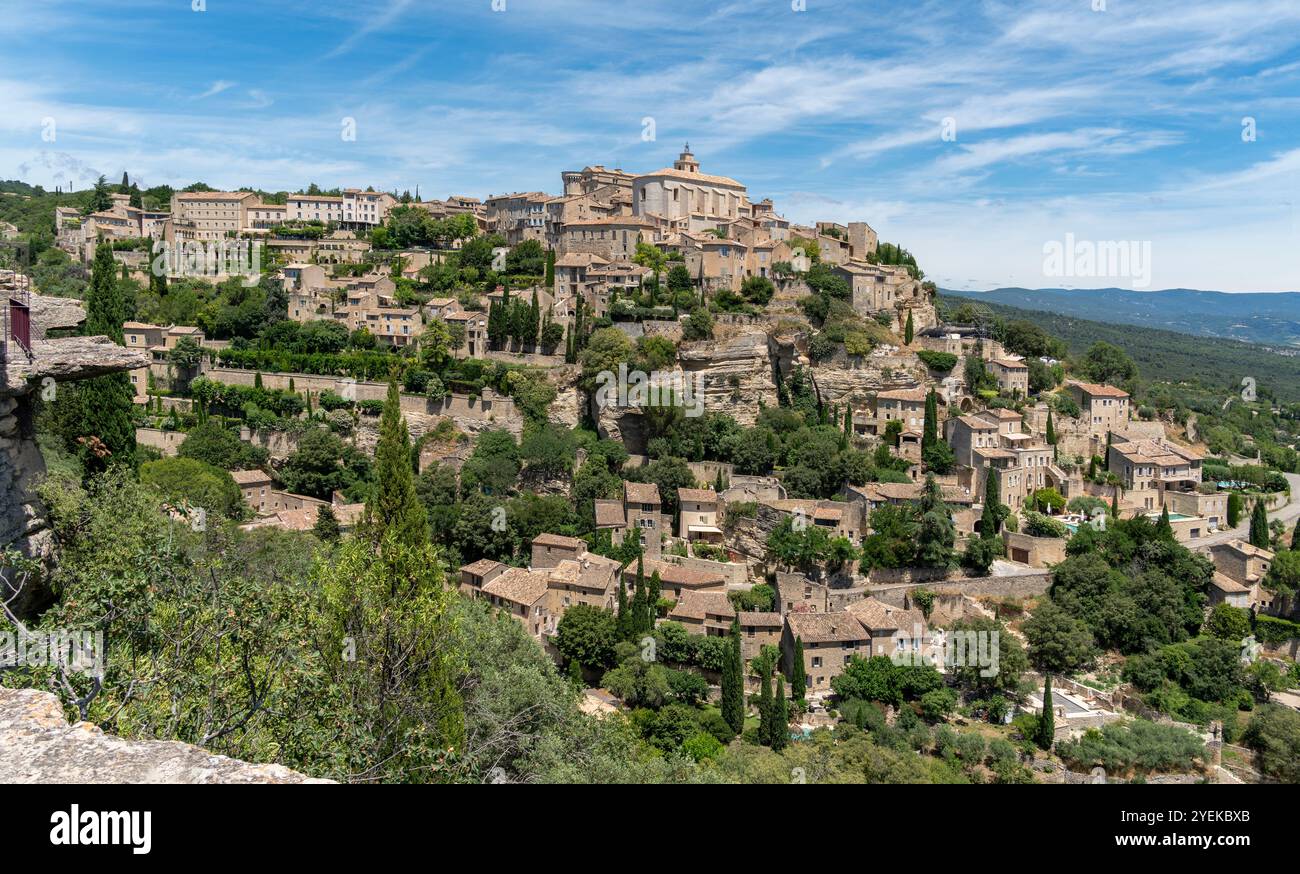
{"type": "Point", "coordinates": [16, 321]}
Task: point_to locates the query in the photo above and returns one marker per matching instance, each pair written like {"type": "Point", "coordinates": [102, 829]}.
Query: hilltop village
{"type": "Point", "coordinates": [743, 485]}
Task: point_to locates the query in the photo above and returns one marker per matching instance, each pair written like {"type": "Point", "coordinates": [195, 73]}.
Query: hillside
{"type": "Point", "coordinates": [1215, 364]}
{"type": "Point", "coordinates": [1270, 319]}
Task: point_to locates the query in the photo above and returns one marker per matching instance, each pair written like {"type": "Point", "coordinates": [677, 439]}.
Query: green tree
{"type": "Point", "coordinates": [780, 728]}
{"type": "Point", "coordinates": [388, 634]}
{"type": "Point", "coordinates": [907, 329]}
{"type": "Point", "coordinates": [1234, 509]}
{"type": "Point", "coordinates": [1259, 535]}
{"type": "Point", "coordinates": [394, 504]}
{"type": "Point", "coordinates": [104, 430]}
{"type": "Point", "coordinates": [765, 710]}
{"type": "Point", "coordinates": [1058, 643]}
{"type": "Point", "coordinates": [327, 524]}
{"type": "Point", "coordinates": [196, 484]}
{"type": "Point", "coordinates": [995, 513]}
{"type": "Point", "coordinates": [1046, 733]}
{"type": "Point", "coordinates": [799, 677]}
{"type": "Point", "coordinates": [587, 635]}
{"type": "Point", "coordinates": [733, 683]}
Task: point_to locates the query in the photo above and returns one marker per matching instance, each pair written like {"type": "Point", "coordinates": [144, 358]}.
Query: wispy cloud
{"type": "Point", "coordinates": [216, 88]}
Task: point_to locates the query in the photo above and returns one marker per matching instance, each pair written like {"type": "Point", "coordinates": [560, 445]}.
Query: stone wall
{"type": "Point", "coordinates": [166, 442]}
{"type": "Point", "coordinates": [1022, 586]}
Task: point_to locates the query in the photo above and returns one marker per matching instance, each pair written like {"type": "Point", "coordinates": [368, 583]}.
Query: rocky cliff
{"type": "Point", "coordinates": [22, 517]}
{"type": "Point", "coordinates": [37, 745]}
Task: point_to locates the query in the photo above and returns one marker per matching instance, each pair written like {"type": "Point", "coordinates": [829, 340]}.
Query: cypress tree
{"type": "Point", "coordinates": [930, 434]}
{"type": "Point", "coordinates": [991, 519]}
{"type": "Point", "coordinates": [1114, 503]}
{"type": "Point", "coordinates": [907, 330]}
{"type": "Point", "coordinates": [327, 524]}
{"type": "Point", "coordinates": [780, 717]}
{"type": "Point", "coordinates": [733, 683]}
{"type": "Point", "coordinates": [550, 268]}
{"type": "Point", "coordinates": [534, 327]}
{"type": "Point", "coordinates": [1046, 722]}
{"type": "Point", "coordinates": [1259, 526]}
{"type": "Point", "coordinates": [1295, 537]}
{"type": "Point", "coordinates": [656, 592]}
{"type": "Point", "coordinates": [394, 505]}
{"type": "Point", "coordinates": [257, 379]}
{"type": "Point", "coordinates": [1051, 429]}
{"type": "Point", "coordinates": [717, 483]}
{"type": "Point", "coordinates": [798, 678]}
{"type": "Point", "coordinates": [765, 711]}
{"type": "Point", "coordinates": [1234, 509]}
{"type": "Point", "coordinates": [106, 402]}
{"type": "Point", "coordinates": [1163, 528]}
{"type": "Point", "coordinates": [623, 622]}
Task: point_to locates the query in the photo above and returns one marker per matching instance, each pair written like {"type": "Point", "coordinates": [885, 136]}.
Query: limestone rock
{"type": "Point", "coordinates": [37, 745]}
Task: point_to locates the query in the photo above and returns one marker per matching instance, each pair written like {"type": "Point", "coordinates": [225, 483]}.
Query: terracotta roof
{"type": "Point", "coordinates": [1246, 548]}
{"type": "Point", "coordinates": [481, 567]}
{"type": "Point", "coordinates": [696, 605]}
{"type": "Point", "coordinates": [757, 619]}
{"type": "Point", "coordinates": [519, 586]}
{"type": "Point", "coordinates": [558, 540]}
{"type": "Point", "coordinates": [687, 176]}
{"type": "Point", "coordinates": [1009, 364]}
{"type": "Point", "coordinates": [640, 493]}
{"type": "Point", "coordinates": [1224, 583]}
{"type": "Point", "coordinates": [609, 513]}
{"type": "Point", "coordinates": [903, 394]}
{"type": "Point", "coordinates": [705, 496]}
{"type": "Point", "coordinates": [1100, 391]}
{"type": "Point", "coordinates": [676, 575]}
{"type": "Point", "coordinates": [213, 195]}
{"type": "Point", "coordinates": [250, 477]}
{"type": "Point", "coordinates": [877, 616]}
{"type": "Point", "coordinates": [826, 627]}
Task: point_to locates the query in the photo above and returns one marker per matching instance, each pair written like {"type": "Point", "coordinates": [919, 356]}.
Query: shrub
{"type": "Point", "coordinates": [940, 361]}
{"type": "Point", "coordinates": [1137, 745]}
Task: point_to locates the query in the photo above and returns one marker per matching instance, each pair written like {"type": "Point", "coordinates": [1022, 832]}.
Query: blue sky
{"type": "Point", "coordinates": [1122, 124]}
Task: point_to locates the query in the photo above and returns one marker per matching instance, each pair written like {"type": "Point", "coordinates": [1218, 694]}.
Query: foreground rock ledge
{"type": "Point", "coordinates": [37, 745]}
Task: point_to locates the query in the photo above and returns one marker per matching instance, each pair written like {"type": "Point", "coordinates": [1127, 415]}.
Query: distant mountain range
{"type": "Point", "coordinates": [1269, 319]}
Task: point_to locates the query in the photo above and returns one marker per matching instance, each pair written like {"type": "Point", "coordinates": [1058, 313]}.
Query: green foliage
{"type": "Point", "coordinates": [587, 635]}
{"type": "Point", "coordinates": [941, 362]}
{"type": "Point", "coordinates": [1274, 734]}
{"type": "Point", "coordinates": [194, 483]}
{"type": "Point", "coordinates": [1134, 746]}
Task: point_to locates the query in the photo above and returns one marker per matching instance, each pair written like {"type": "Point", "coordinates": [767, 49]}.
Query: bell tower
{"type": "Point", "coordinates": [686, 161]}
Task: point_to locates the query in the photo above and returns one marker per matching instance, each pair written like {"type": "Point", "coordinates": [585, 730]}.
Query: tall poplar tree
{"type": "Point", "coordinates": [394, 504]}
{"type": "Point", "coordinates": [765, 711]}
{"type": "Point", "coordinates": [733, 683]}
{"type": "Point", "coordinates": [991, 520]}
{"type": "Point", "coordinates": [798, 675]}
{"type": "Point", "coordinates": [780, 717]}
{"type": "Point", "coordinates": [1259, 526]}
